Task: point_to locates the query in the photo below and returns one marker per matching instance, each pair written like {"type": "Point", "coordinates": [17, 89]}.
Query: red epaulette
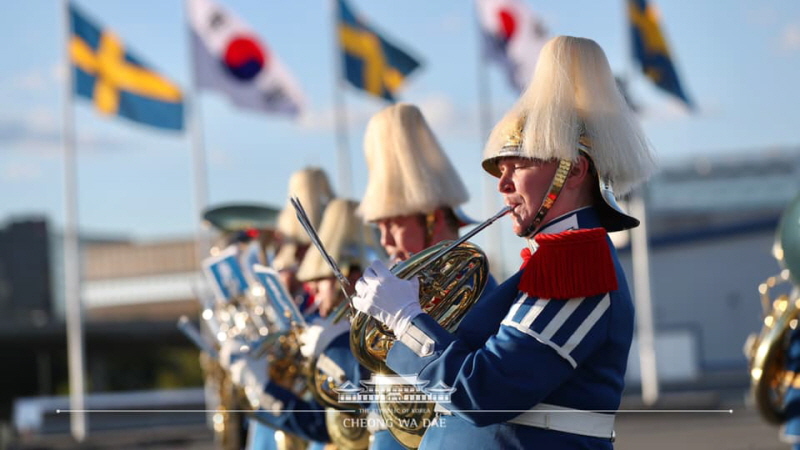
{"type": "Point", "coordinates": [568, 265]}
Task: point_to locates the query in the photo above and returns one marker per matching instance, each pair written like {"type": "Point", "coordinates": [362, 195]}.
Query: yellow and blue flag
{"type": "Point", "coordinates": [117, 81]}
{"type": "Point", "coordinates": [650, 48]}
{"type": "Point", "coordinates": [371, 62]}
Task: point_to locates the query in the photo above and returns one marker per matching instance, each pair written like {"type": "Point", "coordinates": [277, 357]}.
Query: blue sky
{"type": "Point", "coordinates": [739, 60]}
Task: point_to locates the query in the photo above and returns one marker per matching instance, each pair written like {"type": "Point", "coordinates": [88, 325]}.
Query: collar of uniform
{"type": "Point", "coordinates": [576, 219]}
{"type": "Point", "coordinates": [569, 258]}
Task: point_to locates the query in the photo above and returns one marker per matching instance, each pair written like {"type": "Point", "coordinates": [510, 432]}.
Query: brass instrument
{"type": "Point", "coordinates": [247, 315]}
{"type": "Point", "coordinates": [448, 289]}
{"type": "Point", "coordinates": [346, 436]}
{"type": "Point", "coordinates": [282, 343]}
{"type": "Point", "coordinates": [766, 352]}
{"type": "Point", "coordinates": [452, 277]}
{"type": "Point", "coordinates": [344, 423]}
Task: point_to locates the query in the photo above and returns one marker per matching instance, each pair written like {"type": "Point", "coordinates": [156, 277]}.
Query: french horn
{"type": "Point", "coordinates": [452, 276]}
{"type": "Point", "coordinates": [344, 421]}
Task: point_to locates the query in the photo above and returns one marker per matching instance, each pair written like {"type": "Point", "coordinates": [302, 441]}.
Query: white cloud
{"type": "Point", "coordinates": [19, 171]}
{"type": "Point", "coordinates": [30, 81]}
{"type": "Point", "coordinates": [790, 38]}
{"type": "Point", "coordinates": [43, 120]}
{"type": "Point", "coordinates": [666, 111]}
{"type": "Point", "coordinates": [39, 79]}
{"type": "Point", "coordinates": [439, 111]}
{"type": "Point", "coordinates": [442, 115]}
{"type": "Point", "coordinates": [58, 72]}
{"type": "Point", "coordinates": [325, 120]}
{"type": "Point", "coordinates": [314, 120]}
{"type": "Point", "coordinates": [39, 130]}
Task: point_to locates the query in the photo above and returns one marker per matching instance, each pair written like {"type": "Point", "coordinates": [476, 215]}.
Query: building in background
{"type": "Point", "coordinates": [133, 295]}
{"type": "Point", "coordinates": [711, 225]}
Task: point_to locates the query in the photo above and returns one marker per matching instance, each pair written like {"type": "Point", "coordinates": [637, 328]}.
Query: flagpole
{"type": "Point", "coordinates": [340, 111]}
{"type": "Point", "coordinates": [645, 329]}
{"type": "Point", "coordinates": [490, 203]}
{"type": "Point", "coordinates": [72, 261]}
{"type": "Point", "coordinates": [640, 260]}
{"type": "Point", "coordinates": [199, 165]}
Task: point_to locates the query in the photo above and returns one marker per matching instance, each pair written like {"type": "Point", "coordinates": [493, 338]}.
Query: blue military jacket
{"type": "Point", "coordinates": [302, 417]}
{"type": "Point", "coordinates": [306, 418]}
{"type": "Point", "coordinates": [514, 352]}
{"type": "Point", "coordinates": [791, 429]}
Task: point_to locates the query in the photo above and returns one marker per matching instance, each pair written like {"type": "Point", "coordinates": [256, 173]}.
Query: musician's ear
{"type": "Point", "coordinates": [580, 171]}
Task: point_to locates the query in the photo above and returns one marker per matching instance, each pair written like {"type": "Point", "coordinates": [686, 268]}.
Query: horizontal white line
{"type": "Point", "coordinates": [613, 411]}
{"type": "Point", "coordinates": [60, 411]}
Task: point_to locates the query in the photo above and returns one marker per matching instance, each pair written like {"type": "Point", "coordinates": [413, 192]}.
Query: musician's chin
{"type": "Point", "coordinates": [517, 225]}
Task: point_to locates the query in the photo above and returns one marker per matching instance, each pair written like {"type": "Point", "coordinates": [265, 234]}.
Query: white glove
{"type": "Point", "coordinates": [391, 300]}
{"type": "Point", "coordinates": [309, 339]}
{"type": "Point", "coordinates": [246, 371]}
{"type": "Point", "coordinates": [317, 336]}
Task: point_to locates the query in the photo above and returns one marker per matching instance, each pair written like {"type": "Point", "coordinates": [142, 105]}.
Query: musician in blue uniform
{"type": "Point", "coordinates": [790, 431]}
{"type": "Point", "coordinates": [312, 187]}
{"type": "Point", "coordinates": [787, 251]}
{"type": "Point", "coordinates": [351, 244]}
{"type": "Point", "coordinates": [543, 366]}
{"type": "Point", "coordinates": [413, 195]}
{"type": "Point", "coordinates": [414, 192]}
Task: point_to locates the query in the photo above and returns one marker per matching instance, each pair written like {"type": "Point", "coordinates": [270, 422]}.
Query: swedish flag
{"type": "Point", "coordinates": [371, 62]}
{"type": "Point", "coordinates": [119, 82]}
{"type": "Point", "coordinates": [650, 48]}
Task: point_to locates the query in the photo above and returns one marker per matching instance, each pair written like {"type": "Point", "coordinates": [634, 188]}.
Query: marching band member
{"type": "Point", "coordinates": [413, 196]}
{"type": "Point", "coordinates": [311, 186]}
{"type": "Point", "coordinates": [788, 254]}
{"type": "Point", "coordinates": [251, 230]}
{"type": "Point", "coordinates": [347, 241]}
{"type": "Point", "coordinates": [413, 192]}
{"type": "Point", "coordinates": [552, 341]}
{"type": "Point", "coordinates": [790, 429]}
